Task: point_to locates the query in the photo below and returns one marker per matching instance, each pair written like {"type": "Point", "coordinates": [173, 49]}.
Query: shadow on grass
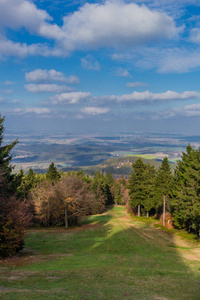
{"type": "Point", "coordinates": [110, 259]}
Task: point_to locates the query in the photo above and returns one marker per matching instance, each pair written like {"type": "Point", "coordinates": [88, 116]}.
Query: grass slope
{"type": "Point", "coordinates": [112, 256]}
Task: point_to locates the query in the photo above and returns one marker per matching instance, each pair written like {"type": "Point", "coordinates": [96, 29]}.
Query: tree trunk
{"type": "Point", "coordinates": [138, 210]}
{"type": "Point", "coordinates": [164, 210]}
{"type": "Point", "coordinates": [66, 221]}
{"type": "Point", "coordinates": [147, 214]}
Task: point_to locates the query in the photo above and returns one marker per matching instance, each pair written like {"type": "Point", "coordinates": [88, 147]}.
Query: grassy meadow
{"type": "Point", "coordinates": [111, 256]}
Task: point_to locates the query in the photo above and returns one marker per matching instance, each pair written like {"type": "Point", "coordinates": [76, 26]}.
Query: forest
{"type": "Point", "coordinates": [62, 199]}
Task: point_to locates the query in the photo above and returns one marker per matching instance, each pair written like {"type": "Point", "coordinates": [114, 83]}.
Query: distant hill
{"type": "Point", "coordinates": [117, 166]}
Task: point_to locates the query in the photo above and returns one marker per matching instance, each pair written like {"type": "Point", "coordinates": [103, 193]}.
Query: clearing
{"type": "Point", "coordinates": [112, 256]}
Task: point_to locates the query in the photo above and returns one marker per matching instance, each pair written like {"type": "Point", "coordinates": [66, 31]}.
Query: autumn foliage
{"type": "Point", "coordinates": [51, 199]}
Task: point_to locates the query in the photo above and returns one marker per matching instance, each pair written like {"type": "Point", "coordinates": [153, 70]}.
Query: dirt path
{"type": "Point", "coordinates": [188, 251]}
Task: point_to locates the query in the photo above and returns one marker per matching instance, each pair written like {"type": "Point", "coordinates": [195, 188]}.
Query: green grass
{"type": "Point", "coordinates": [111, 256]}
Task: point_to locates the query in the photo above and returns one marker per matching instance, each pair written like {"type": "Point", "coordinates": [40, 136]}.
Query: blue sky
{"type": "Point", "coordinates": [101, 66]}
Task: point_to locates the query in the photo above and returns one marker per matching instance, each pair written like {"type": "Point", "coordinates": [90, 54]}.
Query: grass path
{"type": "Point", "coordinates": [112, 256]}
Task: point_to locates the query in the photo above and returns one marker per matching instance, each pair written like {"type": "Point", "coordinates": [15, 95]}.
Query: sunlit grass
{"type": "Point", "coordinates": [112, 256]}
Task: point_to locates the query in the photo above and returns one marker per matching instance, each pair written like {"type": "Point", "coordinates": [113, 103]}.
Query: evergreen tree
{"type": "Point", "coordinates": [13, 213]}
{"type": "Point", "coordinates": [163, 186]}
{"type": "Point", "coordinates": [102, 184]}
{"type": "Point", "coordinates": [5, 167]}
{"type": "Point", "coordinates": [52, 173]}
{"type": "Point", "coordinates": [118, 195]}
{"type": "Point", "coordinates": [186, 203]}
{"type": "Point", "coordinates": [137, 188]}
{"type": "Point", "coordinates": [149, 201]}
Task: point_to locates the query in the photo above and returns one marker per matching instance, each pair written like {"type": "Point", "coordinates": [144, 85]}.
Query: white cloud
{"type": "Point", "coordinates": [195, 35]}
{"type": "Point", "coordinates": [16, 101]}
{"type": "Point", "coordinates": [188, 110]}
{"type": "Point", "coordinates": [15, 14]}
{"type": "Point", "coordinates": [7, 82]}
{"type": "Point", "coordinates": [44, 76]}
{"type": "Point", "coordinates": [192, 110]}
{"type": "Point", "coordinates": [116, 25]}
{"type": "Point", "coordinates": [95, 110]}
{"type": "Point", "coordinates": [152, 97]}
{"type": "Point", "coordinates": [165, 60]}
{"type": "Point", "coordinates": [8, 91]}
{"type": "Point", "coordinates": [18, 14]}
{"type": "Point", "coordinates": [35, 110]}
{"type": "Point", "coordinates": [47, 87]}
{"type": "Point", "coordinates": [10, 48]}
{"type": "Point", "coordinates": [136, 84]}
{"type": "Point", "coordinates": [71, 98]}
{"type": "Point", "coordinates": [178, 61]}
{"type": "Point", "coordinates": [90, 63]}
{"type": "Point", "coordinates": [122, 73]}
{"type": "Point", "coordinates": [109, 24]}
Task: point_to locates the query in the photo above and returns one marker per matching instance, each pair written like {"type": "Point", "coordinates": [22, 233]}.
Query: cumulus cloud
{"type": "Point", "coordinates": [10, 48]}
{"type": "Point", "coordinates": [122, 73]}
{"type": "Point", "coordinates": [72, 98]}
{"type": "Point", "coordinates": [47, 87]}
{"type": "Point", "coordinates": [95, 110]}
{"type": "Point", "coordinates": [45, 76]}
{"type": "Point", "coordinates": [116, 25]}
{"type": "Point", "coordinates": [136, 84]}
{"type": "Point", "coordinates": [152, 97]}
{"type": "Point", "coordinates": [93, 26]}
{"type": "Point", "coordinates": [90, 63]}
{"type": "Point", "coordinates": [15, 14]}
{"type": "Point", "coordinates": [18, 14]}
{"type": "Point", "coordinates": [188, 110]}
{"type": "Point", "coordinates": [35, 110]}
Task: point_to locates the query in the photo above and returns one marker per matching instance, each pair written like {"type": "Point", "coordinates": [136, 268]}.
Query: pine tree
{"type": "Point", "coordinates": [186, 203]}
{"type": "Point", "coordinates": [13, 214]}
{"type": "Point", "coordinates": [149, 201]}
{"type": "Point", "coordinates": [163, 186]}
{"type": "Point", "coordinates": [137, 188]}
{"type": "Point", "coordinates": [52, 173]}
{"type": "Point", "coordinates": [5, 167]}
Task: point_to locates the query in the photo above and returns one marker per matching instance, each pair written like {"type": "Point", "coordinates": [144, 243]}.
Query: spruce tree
{"type": "Point", "coordinates": [186, 203]}
{"type": "Point", "coordinates": [137, 188]}
{"type": "Point", "coordinates": [52, 173]}
{"type": "Point", "coordinates": [163, 186]}
{"type": "Point", "coordinates": [14, 215]}
{"type": "Point", "coordinates": [149, 201]}
{"type": "Point", "coordinates": [5, 167]}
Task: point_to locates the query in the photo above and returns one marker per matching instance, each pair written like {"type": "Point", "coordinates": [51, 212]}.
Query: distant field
{"type": "Point", "coordinates": [112, 256]}
{"type": "Point", "coordinates": [126, 154]}
{"type": "Point", "coordinates": [78, 151]}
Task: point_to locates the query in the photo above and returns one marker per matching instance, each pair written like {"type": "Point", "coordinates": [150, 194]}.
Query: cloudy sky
{"type": "Point", "coordinates": [100, 66]}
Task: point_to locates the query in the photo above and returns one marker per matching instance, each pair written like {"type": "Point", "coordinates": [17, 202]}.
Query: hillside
{"type": "Point", "coordinates": [111, 256]}
{"type": "Point", "coordinates": [117, 166]}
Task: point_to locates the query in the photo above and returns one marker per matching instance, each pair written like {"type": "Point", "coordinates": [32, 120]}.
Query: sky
{"type": "Point", "coordinates": [100, 66]}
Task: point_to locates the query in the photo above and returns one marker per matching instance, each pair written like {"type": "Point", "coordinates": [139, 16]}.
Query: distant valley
{"type": "Point", "coordinates": [110, 153]}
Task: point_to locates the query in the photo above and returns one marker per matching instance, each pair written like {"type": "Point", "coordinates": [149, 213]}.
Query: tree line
{"type": "Point", "coordinates": [62, 199]}
{"type": "Point", "coordinates": [157, 191]}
